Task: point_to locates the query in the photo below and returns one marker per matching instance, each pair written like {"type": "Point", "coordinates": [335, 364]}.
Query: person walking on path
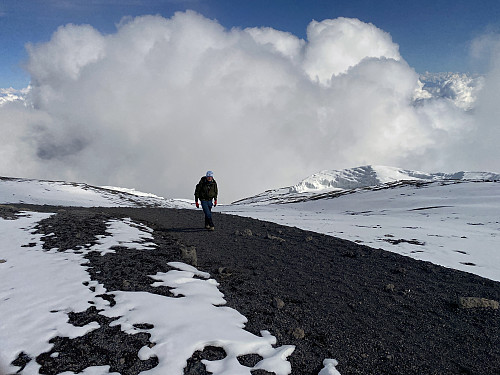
{"type": "Point", "coordinates": [206, 191]}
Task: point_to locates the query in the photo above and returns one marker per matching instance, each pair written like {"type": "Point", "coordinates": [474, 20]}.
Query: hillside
{"type": "Point", "coordinates": [320, 297]}
{"type": "Point", "coordinates": [331, 183]}
{"type": "Point", "coordinates": [100, 280]}
{"type": "Point", "coordinates": [450, 222]}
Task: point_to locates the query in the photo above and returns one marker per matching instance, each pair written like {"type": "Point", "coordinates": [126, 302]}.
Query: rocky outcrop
{"type": "Point", "coordinates": [477, 302]}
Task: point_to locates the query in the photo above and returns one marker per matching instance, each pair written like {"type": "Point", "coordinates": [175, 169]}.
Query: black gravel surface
{"type": "Point", "coordinates": [374, 311]}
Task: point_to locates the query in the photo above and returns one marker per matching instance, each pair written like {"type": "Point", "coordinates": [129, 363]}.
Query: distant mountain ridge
{"type": "Point", "coordinates": [61, 193]}
{"type": "Point", "coordinates": [460, 88]}
{"type": "Point", "coordinates": [12, 95]}
{"type": "Point", "coordinates": [373, 175]}
{"type": "Point", "coordinates": [328, 182]}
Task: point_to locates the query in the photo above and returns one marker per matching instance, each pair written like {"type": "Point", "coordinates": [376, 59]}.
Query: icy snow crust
{"type": "Point", "coordinates": [182, 325]}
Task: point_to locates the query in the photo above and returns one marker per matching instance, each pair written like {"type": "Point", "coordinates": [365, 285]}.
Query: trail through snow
{"type": "Point", "coordinates": [34, 305]}
{"type": "Point", "coordinates": [452, 224]}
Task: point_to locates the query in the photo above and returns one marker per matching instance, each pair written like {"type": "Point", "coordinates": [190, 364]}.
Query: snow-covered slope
{"type": "Point", "coordinates": [454, 223]}
{"type": "Point", "coordinates": [447, 219]}
{"type": "Point", "coordinates": [337, 182]}
{"type": "Point", "coordinates": [59, 193]}
{"type": "Point", "coordinates": [450, 219]}
{"type": "Point", "coordinates": [372, 175]}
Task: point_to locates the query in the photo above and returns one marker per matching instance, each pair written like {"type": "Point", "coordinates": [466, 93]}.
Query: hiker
{"type": "Point", "coordinates": [206, 191]}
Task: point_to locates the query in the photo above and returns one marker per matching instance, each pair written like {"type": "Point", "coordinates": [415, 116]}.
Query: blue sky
{"type": "Point", "coordinates": [433, 35]}
{"type": "Point", "coordinates": [111, 104]}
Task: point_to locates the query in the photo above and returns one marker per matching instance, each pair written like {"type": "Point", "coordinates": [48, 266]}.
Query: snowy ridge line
{"type": "Point", "coordinates": [373, 175]}
{"type": "Point", "coordinates": [390, 185]}
{"type": "Point", "coordinates": [334, 183]}
{"type": "Point", "coordinates": [277, 197]}
{"type": "Point", "coordinates": [62, 193]}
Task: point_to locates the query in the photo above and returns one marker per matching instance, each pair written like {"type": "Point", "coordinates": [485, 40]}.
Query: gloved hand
{"type": "Point", "coordinates": [215, 202]}
{"type": "Point", "coordinates": [197, 204]}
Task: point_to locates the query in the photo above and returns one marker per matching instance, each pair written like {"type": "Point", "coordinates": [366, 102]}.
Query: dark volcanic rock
{"type": "Point", "coordinates": [335, 291]}
{"type": "Point", "coordinates": [475, 302]}
{"type": "Point", "coordinates": [72, 229]}
{"type": "Point", "coordinates": [8, 212]}
{"type": "Point", "coordinates": [340, 302]}
{"type": "Point", "coordinates": [103, 346]}
{"type": "Point", "coordinates": [188, 255]}
{"type": "Point", "coordinates": [194, 364]}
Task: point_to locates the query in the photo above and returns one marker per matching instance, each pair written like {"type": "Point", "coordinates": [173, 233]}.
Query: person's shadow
{"type": "Point", "coordinates": [185, 230]}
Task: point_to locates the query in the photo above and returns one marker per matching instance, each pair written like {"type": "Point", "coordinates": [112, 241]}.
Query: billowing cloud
{"type": "Point", "coordinates": [336, 45]}
{"type": "Point", "coordinates": [486, 137]}
{"type": "Point", "coordinates": [159, 102]}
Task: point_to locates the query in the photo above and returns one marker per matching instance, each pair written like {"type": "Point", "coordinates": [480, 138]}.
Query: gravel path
{"type": "Point", "coordinates": [374, 311]}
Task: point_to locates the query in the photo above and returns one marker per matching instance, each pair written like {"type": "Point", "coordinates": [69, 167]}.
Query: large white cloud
{"type": "Point", "coordinates": [336, 45]}
{"type": "Point", "coordinates": [485, 142]}
{"type": "Point", "coordinates": [159, 102]}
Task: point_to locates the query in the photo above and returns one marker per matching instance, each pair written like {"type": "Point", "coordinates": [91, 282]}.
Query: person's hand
{"type": "Point", "coordinates": [215, 202]}
{"type": "Point", "coordinates": [197, 204]}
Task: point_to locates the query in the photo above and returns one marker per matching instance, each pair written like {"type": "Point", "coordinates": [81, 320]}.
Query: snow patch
{"type": "Point", "coordinates": [33, 303]}
{"type": "Point", "coordinates": [193, 321]}
{"type": "Point", "coordinates": [329, 368]}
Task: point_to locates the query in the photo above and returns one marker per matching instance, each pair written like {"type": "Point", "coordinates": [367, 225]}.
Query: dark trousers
{"type": "Point", "coordinates": [207, 210]}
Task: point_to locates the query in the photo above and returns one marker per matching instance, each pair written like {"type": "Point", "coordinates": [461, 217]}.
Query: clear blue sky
{"type": "Point", "coordinates": [433, 35]}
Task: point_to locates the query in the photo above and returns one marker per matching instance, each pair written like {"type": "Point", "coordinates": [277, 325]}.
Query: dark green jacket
{"type": "Point", "coordinates": [205, 191]}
